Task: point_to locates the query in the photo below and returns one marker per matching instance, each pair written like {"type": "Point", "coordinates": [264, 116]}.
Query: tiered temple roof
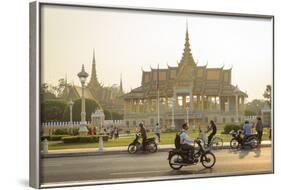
{"type": "Point", "coordinates": [203, 80]}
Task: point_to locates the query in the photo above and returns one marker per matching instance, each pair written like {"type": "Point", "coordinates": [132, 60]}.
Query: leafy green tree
{"type": "Point", "coordinates": [46, 93]}
{"type": "Point", "coordinates": [90, 106]}
{"type": "Point", "coordinates": [254, 107]}
{"type": "Point", "coordinates": [267, 95]}
{"type": "Point", "coordinates": [52, 110]}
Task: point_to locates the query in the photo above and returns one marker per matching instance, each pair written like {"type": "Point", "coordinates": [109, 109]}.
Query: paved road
{"type": "Point", "coordinates": [106, 167]}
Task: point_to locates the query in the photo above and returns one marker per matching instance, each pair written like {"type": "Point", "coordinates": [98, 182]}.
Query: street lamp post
{"type": "Point", "coordinates": [83, 77]}
{"type": "Point", "coordinates": [70, 112]}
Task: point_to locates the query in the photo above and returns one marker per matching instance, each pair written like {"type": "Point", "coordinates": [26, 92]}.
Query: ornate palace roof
{"type": "Point", "coordinates": [203, 80]}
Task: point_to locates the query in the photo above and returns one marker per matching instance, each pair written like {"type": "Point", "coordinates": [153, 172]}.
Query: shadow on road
{"type": "Point", "coordinates": [188, 172]}
{"type": "Point", "coordinates": [245, 152]}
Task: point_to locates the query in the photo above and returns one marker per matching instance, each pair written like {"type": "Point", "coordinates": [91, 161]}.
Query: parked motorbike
{"type": "Point", "coordinates": [179, 158]}
{"type": "Point", "coordinates": [135, 146]}
{"type": "Point", "coordinates": [240, 142]}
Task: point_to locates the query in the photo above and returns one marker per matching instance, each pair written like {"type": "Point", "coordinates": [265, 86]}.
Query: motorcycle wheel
{"type": "Point", "coordinates": [234, 144]}
{"type": "Point", "coordinates": [132, 149]}
{"type": "Point", "coordinates": [208, 160]}
{"type": "Point", "coordinates": [254, 143]}
{"type": "Point", "coordinates": [152, 147]}
{"type": "Point", "coordinates": [175, 160]}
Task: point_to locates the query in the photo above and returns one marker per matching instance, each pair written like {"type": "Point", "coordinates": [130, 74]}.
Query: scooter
{"type": "Point", "coordinates": [135, 146]}
{"type": "Point", "coordinates": [179, 158]}
{"type": "Point", "coordinates": [241, 142]}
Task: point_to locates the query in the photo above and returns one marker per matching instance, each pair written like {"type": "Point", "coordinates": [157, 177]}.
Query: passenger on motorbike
{"type": "Point", "coordinates": [143, 135]}
{"type": "Point", "coordinates": [247, 130]}
{"type": "Point", "coordinates": [185, 140]}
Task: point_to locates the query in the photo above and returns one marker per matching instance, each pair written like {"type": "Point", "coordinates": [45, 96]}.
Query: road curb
{"type": "Point", "coordinates": [111, 152]}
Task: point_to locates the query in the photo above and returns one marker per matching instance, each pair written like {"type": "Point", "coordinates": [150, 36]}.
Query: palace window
{"type": "Point", "coordinates": [187, 99]}
{"type": "Point", "coordinates": [170, 102]}
{"type": "Point", "coordinates": [180, 100]}
{"type": "Point", "coordinates": [223, 120]}
{"type": "Point", "coordinates": [162, 100]}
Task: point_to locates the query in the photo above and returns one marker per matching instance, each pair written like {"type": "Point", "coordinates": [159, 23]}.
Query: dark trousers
{"type": "Point", "coordinates": [260, 136]}
{"type": "Point", "coordinates": [158, 135]}
{"type": "Point", "coordinates": [189, 149]}
{"type": "Point", "coordinates": [210, 138]}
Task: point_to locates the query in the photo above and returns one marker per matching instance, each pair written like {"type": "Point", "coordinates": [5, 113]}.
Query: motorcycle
{"type": "Point", "coordinates": [179, 158]}
{"type": "Point", "coordinates": [238, 141]}
{"type": "Point", "coordinates": [135, 146]}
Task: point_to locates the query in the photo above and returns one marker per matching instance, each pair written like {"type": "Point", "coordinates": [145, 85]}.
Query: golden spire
{"type": "Point", "coordinates": [94, 79]}
{"type": "Point", "coordinates": [187, 57]}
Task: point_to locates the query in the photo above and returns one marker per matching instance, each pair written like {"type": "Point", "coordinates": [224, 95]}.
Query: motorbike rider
{"type": "Point", "coordinates": [212, 127]}
{"type": "Point", "coordinates": [184, 140]}
{"type": "Point", "coordinates": [247, 130]}
{"type": "Point", "coordinates": [143, 135]}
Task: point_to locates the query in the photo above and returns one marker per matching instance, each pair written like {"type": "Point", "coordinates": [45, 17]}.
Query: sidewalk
{"type": "Point", "coordinates": [115, 150]}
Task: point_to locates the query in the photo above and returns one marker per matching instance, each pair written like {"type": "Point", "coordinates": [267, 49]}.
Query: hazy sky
{"type": "Point", "coordinates": [125, 42]}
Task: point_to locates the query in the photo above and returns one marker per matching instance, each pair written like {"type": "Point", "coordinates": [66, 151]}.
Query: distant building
{"type": "Point", "coordinates": [206, 92]}
{"type": "Point", "coordinates": [109, 97]}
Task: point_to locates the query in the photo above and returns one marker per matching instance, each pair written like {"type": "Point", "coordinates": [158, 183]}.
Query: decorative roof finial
{"type": "Point", "coordinates": [121, 83]}
{"type": "Point", "coordinates": [187, 57]}
{"type": "Point", "coordinates": [94, 57]}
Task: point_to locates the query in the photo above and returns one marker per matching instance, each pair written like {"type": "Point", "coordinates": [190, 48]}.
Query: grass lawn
{"type": "Point", "coordinates": [166, 138]}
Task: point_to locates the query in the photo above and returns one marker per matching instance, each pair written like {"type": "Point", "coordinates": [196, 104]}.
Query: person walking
{"type": "Point", "coordinates": [157, 131]}
{"type": "Point", "coordinates": [259, 129]}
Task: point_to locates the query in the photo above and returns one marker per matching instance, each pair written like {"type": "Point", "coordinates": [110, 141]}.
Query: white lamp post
{"type": "Point", "coordinates": [83, 77]}
{"type": "Point", "coordinates": [98, 119]}
{"type": "Point", "coordinates": [70, 112]}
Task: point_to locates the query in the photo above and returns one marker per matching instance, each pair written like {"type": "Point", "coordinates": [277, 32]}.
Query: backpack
{"type": "Point", "coordinates": [178, 141]}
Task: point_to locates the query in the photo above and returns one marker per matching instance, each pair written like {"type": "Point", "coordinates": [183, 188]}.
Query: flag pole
{"type": "Point", "coordinates": [158, 109]}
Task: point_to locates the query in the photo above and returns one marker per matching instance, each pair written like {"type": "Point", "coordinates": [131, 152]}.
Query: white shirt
{"type": "Point", "coordinates": [184, 138]}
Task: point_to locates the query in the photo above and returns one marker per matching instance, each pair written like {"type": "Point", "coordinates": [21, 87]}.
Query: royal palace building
{"type": "Point", "coordinates": [186, 92]}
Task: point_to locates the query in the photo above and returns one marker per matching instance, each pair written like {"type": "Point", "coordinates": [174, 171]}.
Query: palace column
{"type": "Point", "coordinates": [183, 102]}
{"type": "Point", "coordinates": [237, 107]}
{"type": "Point", "coordinates": [166, 103]}
{"type": "Point", "coordinates": [149, 105]}
{"type": "Point", "coordinates": [202, 103]}
{"type": "Point", "coordinates": [227, 108]}
{"type": "Point", "coordinates": [191, 101]}
{"type": "Point", "coordinates": [173, 109]}
{"type": "Point", "coordinates": [243, 103]}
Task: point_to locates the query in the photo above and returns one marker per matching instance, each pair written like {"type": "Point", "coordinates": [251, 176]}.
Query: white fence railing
{"type": "Point", "coordinates": [250, 118]}
{"type": "Point", "coordinates": [106, 123]}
